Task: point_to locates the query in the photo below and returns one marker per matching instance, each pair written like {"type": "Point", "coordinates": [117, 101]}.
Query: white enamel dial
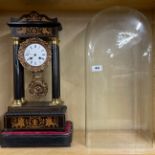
{"type": "Point", "coordinates": [35, 54]}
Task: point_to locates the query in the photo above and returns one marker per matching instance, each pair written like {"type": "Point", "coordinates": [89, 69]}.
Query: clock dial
{"type": "Point", "coordinates": [35, 54]}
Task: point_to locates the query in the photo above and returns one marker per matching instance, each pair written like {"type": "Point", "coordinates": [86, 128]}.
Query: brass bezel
{"type": "Point", "coordinates": [21, 51]}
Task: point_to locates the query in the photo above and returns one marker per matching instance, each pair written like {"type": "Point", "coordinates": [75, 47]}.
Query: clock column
{"type": "Point", "coordinates": [18, 76]}
{"type": "Point", "coordinates": [55, 72]}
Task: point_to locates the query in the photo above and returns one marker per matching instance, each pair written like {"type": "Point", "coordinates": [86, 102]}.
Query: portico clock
{"type": "Point", "coordinates": [38, 122]}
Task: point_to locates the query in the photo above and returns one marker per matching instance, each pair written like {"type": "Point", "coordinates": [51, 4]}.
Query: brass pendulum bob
{"type": "Point", "coordinates": [38, 87]}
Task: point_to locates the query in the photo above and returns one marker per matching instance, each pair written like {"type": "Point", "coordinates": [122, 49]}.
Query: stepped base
{"type": "Point", "coordinates": [37, 138]}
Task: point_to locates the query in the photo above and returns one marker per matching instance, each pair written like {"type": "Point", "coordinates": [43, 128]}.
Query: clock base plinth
{"type": "Point", "coordinates": [35, 116]}
{"type": "Point", "coordinates": [37, 138]}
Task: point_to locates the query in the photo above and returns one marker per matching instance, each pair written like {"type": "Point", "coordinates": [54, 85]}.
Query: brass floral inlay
{"type": "Point", "coordinates": [34, 31]}
{"type": "Point", "coordinates": [34, 122]}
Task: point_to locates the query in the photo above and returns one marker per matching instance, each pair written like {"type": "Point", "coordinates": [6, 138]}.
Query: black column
{"type": "Point", "coordinates": [22, 83]}
{"type": "Point", "coordinates": [18, 73]}
{"type": "Point", "coordinates": [55, 70]}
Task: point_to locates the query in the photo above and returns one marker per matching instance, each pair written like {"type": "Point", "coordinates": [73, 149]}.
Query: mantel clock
{"type": "Point", "coordinates": [39, 123]}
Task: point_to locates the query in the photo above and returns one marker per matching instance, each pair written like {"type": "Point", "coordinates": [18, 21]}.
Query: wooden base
{"type": "Point", "coordinates": [37, 138]}
{"type": "Point", "coordinates": [35, 116]}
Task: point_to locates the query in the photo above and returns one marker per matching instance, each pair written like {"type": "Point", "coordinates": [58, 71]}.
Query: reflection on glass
{"type": "Point", "coordinates": [118, 81]}
{"type": "Point", "coordinates": [125, 38]}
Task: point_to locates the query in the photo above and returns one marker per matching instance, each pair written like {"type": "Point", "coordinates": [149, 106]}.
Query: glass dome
{"type": "Point", "coordinates": [118, 79]}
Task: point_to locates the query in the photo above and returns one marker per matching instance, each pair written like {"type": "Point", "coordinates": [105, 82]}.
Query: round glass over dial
{"type": "Point", "coordinates": [35, 54]}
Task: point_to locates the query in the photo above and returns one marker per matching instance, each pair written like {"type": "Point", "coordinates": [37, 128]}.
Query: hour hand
{"type": "Point", "coordinates": [30, 58]}
{"type": "Point", "coordinates": [41, 58]}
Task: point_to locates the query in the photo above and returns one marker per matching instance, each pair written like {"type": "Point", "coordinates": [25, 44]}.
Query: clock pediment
{"type": "Point", "coordinates": [34, 24]}
{"type": "Point", "coordinates": [34, 16]}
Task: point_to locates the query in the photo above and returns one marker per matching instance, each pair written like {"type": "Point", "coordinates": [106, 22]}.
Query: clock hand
{"type": "Point", "coordinates": [40, 58]}
{"type": "Point", "coordinates": [30, 58]}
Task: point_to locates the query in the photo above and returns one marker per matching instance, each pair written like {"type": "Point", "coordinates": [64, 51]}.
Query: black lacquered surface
{"type": "Point", "coordinates": [18, 74]}
{"type": "Point", "coordinates": [55, 71]}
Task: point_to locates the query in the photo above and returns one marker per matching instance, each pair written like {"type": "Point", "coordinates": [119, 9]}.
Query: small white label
{"type": "Point", "coordinates": [97, 68]}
